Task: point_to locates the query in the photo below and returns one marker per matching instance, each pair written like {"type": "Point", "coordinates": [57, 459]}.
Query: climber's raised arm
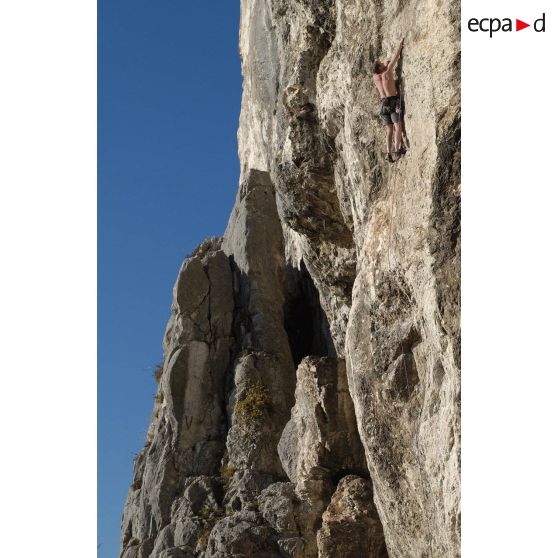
{"type": "Point", "coordinates": [393, 62]}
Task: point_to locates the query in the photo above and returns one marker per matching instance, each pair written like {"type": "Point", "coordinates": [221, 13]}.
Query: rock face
{"type": "Point", "coordinates": [321, 435]}
{"type": "Point", "coordinates": [351, 526]}
{"type": "Point", "coordinates": [308, 402]}
{"type": "Point", "coordinates": [320, 442]}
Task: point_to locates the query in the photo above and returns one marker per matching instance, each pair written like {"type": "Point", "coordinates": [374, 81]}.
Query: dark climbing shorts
{"type": "Point", "coordinates": [390, 110]}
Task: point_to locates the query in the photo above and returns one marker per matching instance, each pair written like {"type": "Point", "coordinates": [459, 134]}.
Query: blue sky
{"type": "Point", "coordinates": [169, 100]}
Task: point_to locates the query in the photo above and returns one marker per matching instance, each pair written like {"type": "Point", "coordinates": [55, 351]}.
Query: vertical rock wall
{"type": "Point", "coordinates": [308, 404]}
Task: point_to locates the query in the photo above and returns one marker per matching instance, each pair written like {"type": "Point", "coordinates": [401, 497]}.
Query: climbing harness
{"type": "Point", "coordinates": [399, 107]}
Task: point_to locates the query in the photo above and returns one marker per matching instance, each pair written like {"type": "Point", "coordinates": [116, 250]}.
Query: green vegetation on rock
{"type": "Point", "coordinates": [249, 411]}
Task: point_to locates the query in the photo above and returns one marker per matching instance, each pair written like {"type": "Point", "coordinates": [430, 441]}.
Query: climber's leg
{"type": "Point", "coordinates": [389, 137]}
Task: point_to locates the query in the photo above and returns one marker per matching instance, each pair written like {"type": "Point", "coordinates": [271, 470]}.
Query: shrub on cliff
{"type": "Point", "coordinates": [249, 411]}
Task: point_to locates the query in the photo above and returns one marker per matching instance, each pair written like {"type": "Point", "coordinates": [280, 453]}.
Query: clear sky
{"type": "Point", "coordinates": [169, 101]}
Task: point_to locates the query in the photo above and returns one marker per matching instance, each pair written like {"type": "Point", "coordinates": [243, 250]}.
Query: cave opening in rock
{"type": "Point", "coordinates": [305, 321]}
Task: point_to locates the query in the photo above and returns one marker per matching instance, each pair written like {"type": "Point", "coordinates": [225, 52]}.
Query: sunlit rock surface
{"type": "Point", "coordinates": [309, 400]}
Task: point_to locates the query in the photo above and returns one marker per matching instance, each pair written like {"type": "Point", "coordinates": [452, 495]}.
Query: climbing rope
{"type": "Point", "coordinates": [405, 138]}
{"type": "Point", "coordinates": [391, 213]}
{"type": "Point", "coordinates": [418, 454]}
{"type": "Point", "coordinates": [416, 435]}
{"type": "Point", "coordinates": [416, 446]}
{"type": "Point", "coordinates": [392, 195]}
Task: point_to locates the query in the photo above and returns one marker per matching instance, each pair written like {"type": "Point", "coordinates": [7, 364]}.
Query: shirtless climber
{"type": "Point", "coordinates": [390, 111]}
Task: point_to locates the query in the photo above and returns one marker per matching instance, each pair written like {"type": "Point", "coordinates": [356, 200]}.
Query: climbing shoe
{"type": "Point", "coordinates": [388, 157]}
{"type": "Point", "coordinates": [401, 151]}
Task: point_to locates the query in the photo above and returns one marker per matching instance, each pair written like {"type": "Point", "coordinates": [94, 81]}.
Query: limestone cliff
{"type": "Point", "coordinates": [308, 404]}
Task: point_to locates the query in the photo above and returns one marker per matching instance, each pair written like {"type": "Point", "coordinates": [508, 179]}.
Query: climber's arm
{"type": "Point", "coordinates": [392, 63]}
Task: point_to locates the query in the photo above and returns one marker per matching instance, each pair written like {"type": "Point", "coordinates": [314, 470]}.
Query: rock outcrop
{"type": "Point", "coordinates": [308, 404]}
{"type": "Point", "coordinates": [351, 526]}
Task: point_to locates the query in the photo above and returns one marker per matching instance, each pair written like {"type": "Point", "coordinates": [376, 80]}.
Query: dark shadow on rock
{"type": "Point", "coordinates": [401, 89]}
{"type": "Point", "coordinates": [305, 321]}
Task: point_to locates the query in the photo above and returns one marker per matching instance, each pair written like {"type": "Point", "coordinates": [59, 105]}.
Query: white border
{"type": "Point", "coordinates": [510, 385]}
{"type": "Point", "coordinates": [48, 291]}
{"type": "Point", "coordinates": [48, 303]}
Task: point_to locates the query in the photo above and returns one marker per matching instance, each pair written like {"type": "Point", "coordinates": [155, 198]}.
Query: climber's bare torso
{"type": "Point", "coordinates": [390, 105]}
{"type": "Point", "coordinates": [385, 82]}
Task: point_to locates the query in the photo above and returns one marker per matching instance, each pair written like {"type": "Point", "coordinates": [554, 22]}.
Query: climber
{"type": "Point", "coordinates": [390, 110]}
